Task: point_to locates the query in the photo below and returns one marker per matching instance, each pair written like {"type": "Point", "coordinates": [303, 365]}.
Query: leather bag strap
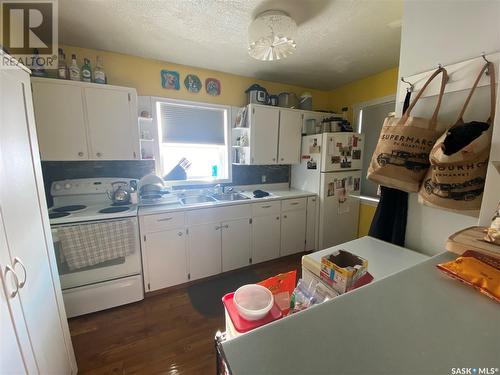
{"type": "Point", "coordinates": [491, 71]}
{"type": "Point", "coordinates": [444, 80]}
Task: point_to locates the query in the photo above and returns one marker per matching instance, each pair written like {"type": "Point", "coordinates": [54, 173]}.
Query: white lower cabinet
{"type": "Point", "coordinates": [293, 229]}
{"type": "Point", "coordinates": [166, 258]}
{"type": "Point", "coordinates": [236, 241]}
{"type": "Point", "coordinates": [204, 250]}
{"type": "Point", "coordinates": [189, 245]}
{"type": "Point", "coordinates": [311, 224]}
{"type": "Point", "coordinates": [266, 238]}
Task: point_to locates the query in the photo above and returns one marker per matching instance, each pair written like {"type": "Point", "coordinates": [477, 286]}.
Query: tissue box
{"type": "Point", "coordinates": [342, 269]}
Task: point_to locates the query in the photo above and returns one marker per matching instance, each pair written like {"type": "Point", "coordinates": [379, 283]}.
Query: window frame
{"type": "Point", "coordinates": [156, 101]}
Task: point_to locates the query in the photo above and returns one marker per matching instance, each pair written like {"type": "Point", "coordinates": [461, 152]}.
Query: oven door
{"type": "Point", "coordinates": [108, 270]}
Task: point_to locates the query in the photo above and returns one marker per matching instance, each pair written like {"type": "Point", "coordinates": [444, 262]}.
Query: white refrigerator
{"type": "Point", "coordinates": [330, 166]}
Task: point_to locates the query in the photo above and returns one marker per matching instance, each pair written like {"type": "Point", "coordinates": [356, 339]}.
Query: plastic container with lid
{"type": "Point", "coordinates": [253, 301]}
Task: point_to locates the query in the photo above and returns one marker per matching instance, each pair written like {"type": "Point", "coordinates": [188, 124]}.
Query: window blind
{"type": "Point", "coordinates": [182, 123]}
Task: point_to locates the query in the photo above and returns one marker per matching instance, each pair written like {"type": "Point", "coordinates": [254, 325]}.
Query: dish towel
{"type": "Point", "coordinates": [86, 245]}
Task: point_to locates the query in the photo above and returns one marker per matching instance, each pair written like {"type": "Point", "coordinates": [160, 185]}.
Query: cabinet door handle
{"type": "Point", "coordinates": [277, 217]}
{"type": "Point", "coordinates": [98, 154]}
{"type": "Point", "coordinates": [284, 216]}
{"type": "Point", "coordinates": [16, 280]}
{"type": "Point", "coordinates": [180, 234]}
{"type": "Point", "coordinates": [225, 226]}
{"type": "Point", "coordinates": [294, 203]}
{"type": "Point", "coordinates": [274, 159]}
{"type": "Point", "coordinates": [218, 227]}
{"type": "Point", "coordinates": [265, 206]}
{"type": "Point", "coordinates": [16, 262]}
{"type": "Point", "coordinates": [282, 159]}
{"type": "Point", "coordinates": [80, 153]}
{"type": "Point", "coordinates": [165, 219]}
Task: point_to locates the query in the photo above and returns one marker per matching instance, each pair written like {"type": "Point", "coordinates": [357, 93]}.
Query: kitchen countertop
{"type": "Point", "coordinates": [383, 258]}
{"type": "Point", "coordinates": [417, 321]}
{"type": "Point", "coordinates": [274, 195]}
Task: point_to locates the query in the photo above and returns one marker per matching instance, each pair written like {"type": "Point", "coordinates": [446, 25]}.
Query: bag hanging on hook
{"type": "Point", "coordinates": [401, 158]}
{"type": "Point", "coordinates": [459, 159]}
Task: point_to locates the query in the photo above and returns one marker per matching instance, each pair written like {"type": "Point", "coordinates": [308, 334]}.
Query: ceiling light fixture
{"type": "Point", "coordinates": [271, 36]}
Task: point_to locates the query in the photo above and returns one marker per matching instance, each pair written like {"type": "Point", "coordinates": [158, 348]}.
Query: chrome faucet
{"type": "Point", "coordinates": [227, 189]}
{"type": "Point", "coordinates": [218, 189]}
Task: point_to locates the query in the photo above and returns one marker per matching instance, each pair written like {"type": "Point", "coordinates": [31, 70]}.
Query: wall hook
{"type": "Point", "coordinates": [483, 55]}
{"type": "Point", "coordinates": [410, 88]}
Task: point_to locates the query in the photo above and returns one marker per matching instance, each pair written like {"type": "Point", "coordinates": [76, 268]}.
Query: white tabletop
{"type": "Point", "coordinates": [383, 258]}
{"type": "Point", "coordinates": [417, 321]}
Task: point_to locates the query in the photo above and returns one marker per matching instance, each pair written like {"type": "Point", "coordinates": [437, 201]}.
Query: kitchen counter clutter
{"type": "Point", "coordinates": [208, 238]}
{"type": "Point", "coordinates": [417, 321]}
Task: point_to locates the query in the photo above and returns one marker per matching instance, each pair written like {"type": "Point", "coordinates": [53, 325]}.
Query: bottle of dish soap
{"type": "Point", "coordinates": [99, 75]}
{"type": "Point", "coordinates": [74, 70]}
{"type": "Point", "coordinates": [86, 71]}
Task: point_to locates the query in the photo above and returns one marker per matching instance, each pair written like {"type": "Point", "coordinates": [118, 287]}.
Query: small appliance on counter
{"type": "Point", "coordinates": [257, 94]}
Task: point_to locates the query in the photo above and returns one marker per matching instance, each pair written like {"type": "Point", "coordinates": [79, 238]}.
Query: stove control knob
{"type": "Point", "coordinates": [67, 186]}
{"type": "Point", "coordinates": [57, 187]}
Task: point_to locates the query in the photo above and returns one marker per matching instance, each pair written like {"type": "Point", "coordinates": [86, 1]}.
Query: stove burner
{"type": "Point", "coordinates": [55, 215]}
{"type": "Point", "coordinates": [110, 210]}
{"type": "Point", "coordinates": [74, 207]}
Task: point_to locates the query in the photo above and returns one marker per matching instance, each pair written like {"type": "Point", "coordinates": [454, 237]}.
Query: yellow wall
{"type": "Point", "coordinates": [366, 212]}
{"type": "Point", "coordinates": [362, 90]}
{"type": "Point", "coordinates": [369, 88]}
{"type": "Point", "coordinates": [144, 75]}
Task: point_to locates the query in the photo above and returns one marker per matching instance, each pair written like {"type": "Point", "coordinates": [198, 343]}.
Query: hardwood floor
{"type": "Point", "coordinates": [161, 334]}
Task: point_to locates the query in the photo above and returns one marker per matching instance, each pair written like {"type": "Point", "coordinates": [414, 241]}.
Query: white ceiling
{"type": "Point", "coordinates": [338, 41]}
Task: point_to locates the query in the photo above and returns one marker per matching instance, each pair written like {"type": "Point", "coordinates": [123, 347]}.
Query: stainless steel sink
{"type": "Point", "coordinates": [230, 197]}
{"type": "Point", "coordinates": [196, 199]}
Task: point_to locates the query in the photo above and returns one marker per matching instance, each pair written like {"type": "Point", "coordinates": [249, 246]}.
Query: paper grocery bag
{"type": "Point", "coordinates": [401, 158]}
{"type": "Point", "coordinates": [456, 181]}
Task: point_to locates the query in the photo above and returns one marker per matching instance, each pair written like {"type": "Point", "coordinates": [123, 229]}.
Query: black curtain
{"type": "Point", "coordinates": [389, 221]}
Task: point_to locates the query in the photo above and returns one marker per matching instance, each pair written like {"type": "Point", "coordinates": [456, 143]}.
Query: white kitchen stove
{"type": "Point", "coordinates": [86, 199]}
{"type": "Point", "coordinates": [86, 225]}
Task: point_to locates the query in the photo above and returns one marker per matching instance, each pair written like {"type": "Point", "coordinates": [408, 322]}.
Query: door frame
{"type": "Point", "coordinates": [358, 106]}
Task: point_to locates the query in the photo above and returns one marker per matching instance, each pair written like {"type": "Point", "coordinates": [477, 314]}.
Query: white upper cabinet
{"type": "Point", "coordinates": [275, 136]}
{"type": "Point", "coordinates": [290, 136]}
{"type": "Point", "coordinates": [85, 121]}
{"type": "Point", "coordinates": [264, 128]}
{"type": "Point", "coordinates": [112, 124]}
{"type": "Point", "coordinates": [60, 121]}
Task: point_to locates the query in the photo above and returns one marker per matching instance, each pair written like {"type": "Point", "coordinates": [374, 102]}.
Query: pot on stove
{"type": "Point", "coordinates": [120, 193]}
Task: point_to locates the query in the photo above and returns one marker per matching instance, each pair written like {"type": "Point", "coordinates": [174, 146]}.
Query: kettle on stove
{"type": "Point", "coordinates": [120, 193]}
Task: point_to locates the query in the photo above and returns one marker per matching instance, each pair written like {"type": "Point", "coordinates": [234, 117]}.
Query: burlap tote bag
{"type": "Point", "coordinates": [401, 157]}
{"type": "Point", "coordinates": [455, 180]}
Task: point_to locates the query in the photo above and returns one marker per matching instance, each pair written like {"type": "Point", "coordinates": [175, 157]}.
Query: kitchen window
{"type": "Point", "coordinates": [194, 142]}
